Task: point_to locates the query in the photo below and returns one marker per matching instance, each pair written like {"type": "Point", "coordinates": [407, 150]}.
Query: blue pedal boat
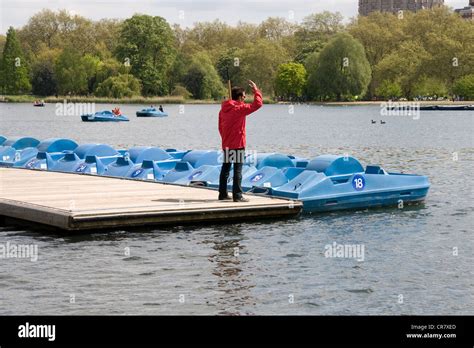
{"type": "Point", "coordinates": [150, 163]}
{"type": "Point", "coordinates": [104, 116]}
{"type": "Point", "coordinates": [151, 112]}
{"type": "Point", "coordinates": [82, 159]}
{"type": "Point", "coordinates": [152, 170]}
{"type": "Point", "coordinates": [332, 182]}
{"type": "Point", "coordinates": [56, 147]}
{"type": "Point", "coordinates": [17, 149]}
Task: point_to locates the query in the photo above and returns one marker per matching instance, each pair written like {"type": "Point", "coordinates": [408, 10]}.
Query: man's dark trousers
{"type": "Point", "coordinates": [237, 158]}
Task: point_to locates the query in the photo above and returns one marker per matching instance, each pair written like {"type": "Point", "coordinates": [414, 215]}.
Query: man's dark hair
{"type": "Point", "coordinates": [237, 92]}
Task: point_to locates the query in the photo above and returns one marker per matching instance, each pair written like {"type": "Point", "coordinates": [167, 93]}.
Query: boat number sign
{"type": "Point", "coordinates": [137, 173]}
{"type": "Point", "coordinates": [257, 177]}
{"type": "Point", "coordinates": [81, 168]}
{"type": "Point", "coordinates": [358, 182]}
{"type": "Point", "coordinates": [31, 164]}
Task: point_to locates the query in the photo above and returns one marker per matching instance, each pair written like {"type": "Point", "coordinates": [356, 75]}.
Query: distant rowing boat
{"type": "Point", "coordinates": [434, 107]}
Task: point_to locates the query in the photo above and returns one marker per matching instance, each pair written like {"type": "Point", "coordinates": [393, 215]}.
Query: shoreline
{"type": "Point", "coordinates": [181, 100]}
{"type": "Point", "coordinates": [99, 100]}
{"type": "Point", "coordinates": [421, 102]}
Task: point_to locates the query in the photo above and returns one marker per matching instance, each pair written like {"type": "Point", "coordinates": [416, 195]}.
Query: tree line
{"type": "Point", "coordinates": [380, 56]}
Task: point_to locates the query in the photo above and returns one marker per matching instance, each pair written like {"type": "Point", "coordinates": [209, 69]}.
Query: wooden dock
{"type": "Point", "coordinates": [88, 202]}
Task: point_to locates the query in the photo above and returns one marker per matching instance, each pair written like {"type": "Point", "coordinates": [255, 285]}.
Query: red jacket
{"type": "Point", "coordinates": [232, 120]}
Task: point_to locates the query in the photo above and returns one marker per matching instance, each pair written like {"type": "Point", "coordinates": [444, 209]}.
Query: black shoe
{"type": "Point", "coordinates": [241, 199]}
{"type": "Point", "coordinates": [224, 198]}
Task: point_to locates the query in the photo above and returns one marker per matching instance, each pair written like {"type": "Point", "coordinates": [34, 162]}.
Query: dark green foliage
{"type": "Point", "coordinates": [148, 44]}
{"type": "Point", "coordinates": [14, 69]}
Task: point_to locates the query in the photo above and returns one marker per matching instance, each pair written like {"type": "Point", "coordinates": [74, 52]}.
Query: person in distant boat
{"type": "Point", "coordinates": [116, 111]}
{"type": "Point", "coordinates": [232, 119]}
{"type": "Point", "coordinates": [161, 108]}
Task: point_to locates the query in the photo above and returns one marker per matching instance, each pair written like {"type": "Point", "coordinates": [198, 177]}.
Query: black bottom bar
{"type": "Point", "coordinates": [328, 330]}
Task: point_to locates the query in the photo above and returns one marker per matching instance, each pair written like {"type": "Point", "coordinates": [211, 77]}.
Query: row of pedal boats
{"type": "Point", "coordinates": [324, 183]}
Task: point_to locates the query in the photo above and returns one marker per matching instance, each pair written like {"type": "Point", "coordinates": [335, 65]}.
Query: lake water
{"type": "Point", "coordinates": [417, 260]}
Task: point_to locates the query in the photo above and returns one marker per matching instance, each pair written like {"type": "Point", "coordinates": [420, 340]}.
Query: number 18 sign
{"type": "Point", "coordinates": [358, 182]}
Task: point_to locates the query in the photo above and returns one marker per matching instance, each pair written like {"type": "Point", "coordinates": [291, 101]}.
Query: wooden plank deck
{"type": "Point", "coordinates": [87, 202]}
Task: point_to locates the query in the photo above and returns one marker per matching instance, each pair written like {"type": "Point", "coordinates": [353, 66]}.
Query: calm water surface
{"type": "Point", "coordinates": [281, 267]}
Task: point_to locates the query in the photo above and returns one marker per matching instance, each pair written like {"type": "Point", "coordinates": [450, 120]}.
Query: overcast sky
{"type": "Point", "coordinates": [184, 12]}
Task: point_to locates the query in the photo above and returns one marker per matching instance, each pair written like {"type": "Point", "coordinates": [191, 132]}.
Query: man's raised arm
{"type": "Point", "coordinates": [247, 109]}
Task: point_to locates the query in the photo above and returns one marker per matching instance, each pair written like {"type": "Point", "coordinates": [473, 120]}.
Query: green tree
{"type": "Point", "coordinates": [260, 61]}
{"type": "Point", "coordinates": [312, 85]}
{"type": "Point", "coordinates": [389, 90]}
{"type": "Point", "coordinates": [42, 28]}
{"type": "Point", "coordinates": [75, 73]}
{"type": "Point", "coordinates": [380, 34]}
{"type": "Point", "coordinates": [106, 34]}
{"type": "Point", "coordinates": [120, 86]}
{"type": "Point", "coordinates": [43, 79]}
{"type": "Point", "coordinates": [320, 26]}
{"type": "Point", "coordinates": [430, 86]}
{"type": "Point", "coordinates": [106, 68]}
{"type": "Point", "coordinates": [14, 69]}
{"type": "Point", "coordinates": [148, 44]}
{"type": "Point", "coordinates": [404, 65]}
{"type": "Point", "coordinates": [181, 91]}
{"type": "Point", "coordinates": [441, 43]}
{"type": "Point", "coordinates": [229, 62]}
{"type": "Point", "coordinates": [217, 36]}
{"type": "Point", "coordinates": [90, 64]}
{"type": "Point", "coordinates": [315, 31]}
{"type": "Point", "coordinates": [202, 79]}
{"type": "Point", "coordinates": [342, 69]}
{"type": "Point", "coordinates": [178, 69]}
{"type": "Point", "coordinates": [276, 29]}
{"type": "Point", "coordinates": [60, 29]}
{"type": "Point", "coordinates": [3, 39]}
{"type": "Point", "coordinates": [464, 87]}
{"type": "Point", "coordinates": [210, 35]}
{"type": "Point", "coordinates": [290, 80]}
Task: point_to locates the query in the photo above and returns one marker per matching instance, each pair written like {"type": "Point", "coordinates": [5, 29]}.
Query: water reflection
{"type": "Point", "coordinates": [233, 286]}
{"type": "Point", "coordinates": [407, 250]}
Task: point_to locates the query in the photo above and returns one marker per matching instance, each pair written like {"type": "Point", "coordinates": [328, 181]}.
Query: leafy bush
{"type": "Point", "coordinates": [464, 87]}
{"type": "Point", "coordinates": [123, 85]}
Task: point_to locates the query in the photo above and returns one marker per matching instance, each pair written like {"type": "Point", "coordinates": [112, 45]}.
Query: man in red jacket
{"type": "Point", "coordinates": [232, 129]}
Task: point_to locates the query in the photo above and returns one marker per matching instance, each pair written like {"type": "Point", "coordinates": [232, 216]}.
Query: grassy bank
{"type": "Point", "coordinates": [181, 100]}
{"type": "Point", "coordinates": [422, 102]}
{"type": "Point", "coordinates": [133, 100]}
